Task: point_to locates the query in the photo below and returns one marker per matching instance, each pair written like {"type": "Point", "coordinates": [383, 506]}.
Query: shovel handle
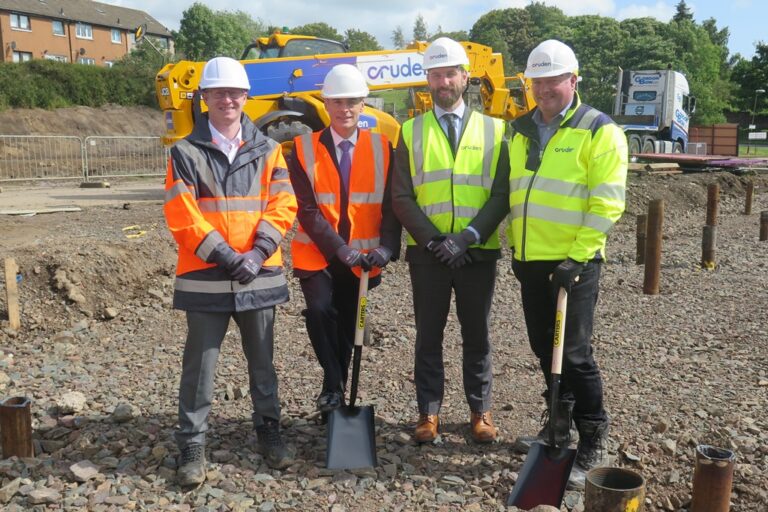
{"type": "Point", "coordinates": [559, 337]}
{"type": "Point", "coordinates": [362, 301]}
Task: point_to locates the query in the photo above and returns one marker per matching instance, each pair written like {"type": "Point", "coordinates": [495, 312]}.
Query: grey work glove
{"type": "Point", "coordinates": [460, 261]}
{"type": "Point", "coordinates": [566, 274]}
{"type": "Point", "coordinates": [352, 257]}
{"type": "Point", "coordinates": [454, 246]}
{"type": "Point", "coordinates": [249, 266]}
{"type": "Point", "coordinates": [225, 257]}
{"type": "Point", "coordinates": [379, 257]}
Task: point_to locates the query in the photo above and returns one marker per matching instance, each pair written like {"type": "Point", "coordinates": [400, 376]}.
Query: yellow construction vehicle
{"type": "Point", "coordinates": [286, 73]}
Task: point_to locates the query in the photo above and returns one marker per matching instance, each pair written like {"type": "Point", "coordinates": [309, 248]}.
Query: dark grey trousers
{"type": "Point", "coordinates": [205, 333]}
{"type": "Point", "coordinates": [433, 285]}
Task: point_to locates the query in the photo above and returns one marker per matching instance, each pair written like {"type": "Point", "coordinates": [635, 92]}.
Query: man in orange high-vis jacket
{"type": "Point", "coordinates": [228, 204]}
{"type": "Point", "coordinates": [341, 177]}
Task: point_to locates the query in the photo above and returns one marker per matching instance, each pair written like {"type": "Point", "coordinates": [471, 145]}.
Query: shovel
{"type": "Point", "coordinates": [351, 436]}
{"type": "Point", "coordinates": [544, 475]}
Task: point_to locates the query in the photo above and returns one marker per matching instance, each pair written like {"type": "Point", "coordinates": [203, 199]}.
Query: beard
{"type": "Point", "coordinates": [446, 97]}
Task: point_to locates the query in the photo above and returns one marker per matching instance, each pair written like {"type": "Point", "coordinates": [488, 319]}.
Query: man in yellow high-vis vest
{"type": "Point", "coordinates": [567, 184]}
{"type": "Point", "coordinates": [450, 191]}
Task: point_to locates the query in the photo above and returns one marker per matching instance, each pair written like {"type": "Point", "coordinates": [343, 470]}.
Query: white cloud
{"type": "Point", "coordinates": [660, 10]}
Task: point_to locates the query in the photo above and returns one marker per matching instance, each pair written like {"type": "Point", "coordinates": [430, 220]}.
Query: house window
{"type": "Point", "coordinates": [58, 27]}
{"type": "Point", "coordinates": [20, 21]}
{"type": "Point", "coordinates": [86, 60]}
{"type": "Point", "coordinates": [57, 58]}
{"type": "Point", "coordinates": [108, 63]}
{"type": "Point", "coordinates": [116, 37]}
{"type": "Point", "coordinates": [131, 39]}
{"type": "Point", "coordinates": [22, 56]}
{"type": "Point", "coordinates": [84, 30]}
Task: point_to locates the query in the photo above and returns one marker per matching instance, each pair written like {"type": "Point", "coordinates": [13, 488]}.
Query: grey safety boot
{"type": "Point", "coordinates": [566, 435]}
{"type": "Point", "coordinates": [592, 451]}
{"type": "Point", "coordinates": [271, 445]}
{"type": "Point", "coordinates": [191, 466]}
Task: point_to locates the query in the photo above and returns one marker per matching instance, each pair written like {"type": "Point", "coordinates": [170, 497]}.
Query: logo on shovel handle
{"type": "Point", "coordinates": [558, 327]}
{"type": "Point", "coordinates": [361, 314]}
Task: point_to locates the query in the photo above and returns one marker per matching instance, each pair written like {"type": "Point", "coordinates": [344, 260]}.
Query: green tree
{"type": "Point", "coordinates": [398, 38]}
{"type": "Point", "coordinates": [361, 41]}
{"type": "Point", "coordinates": [420, 29]}
{"type": "Point", "coordinates": [204, 33]}
{"type": "Point", "coordinates": [749, 76]}
{"type": "Point", "coordinates": [682, 12]}
{"type": "Point", "coordinates": [456, 35]}
{"type": "Point", "coordinates": [513, 27]}
{"type": "Point", "coordinates": [319, 29]}
{"type": "Point", "coordinates": [647, 44]}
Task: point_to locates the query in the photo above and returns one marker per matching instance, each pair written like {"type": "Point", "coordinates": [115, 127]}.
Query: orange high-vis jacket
{"type": "Point", "coordinates": [246, 204]}
{"type": "Point", "coordinates": [368, 178]}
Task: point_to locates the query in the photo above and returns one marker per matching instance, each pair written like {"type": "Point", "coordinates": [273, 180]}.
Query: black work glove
{"type": "Point", "coordinates": [566, 274]}
{"type": "Point", "coordinates": [379, 257]}
{"type": "Point", "coordinates": [225, 256]}
{"type": "Point", "coordinates": [460, 261]}
{"type": "Point", "coordinates": [454, 246]}
{"type": "Point", "coordinates": [433, 243]}
{"type": "Point", "coordinates": [352, 257]}
{"type": "Point", "coordinates": [249, 266]}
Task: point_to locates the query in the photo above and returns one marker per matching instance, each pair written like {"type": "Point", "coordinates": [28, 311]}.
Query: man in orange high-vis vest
{"type": "Point", "coordinates": [341, 177]}
{"type": "Point", "coordinates": [228, 204]}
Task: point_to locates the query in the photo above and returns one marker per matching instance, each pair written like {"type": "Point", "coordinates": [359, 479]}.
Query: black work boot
{"type": "Point", "coordinates": [191, 465]}
{"type": "Point", "coordinates": [592, 451]}
{"type": "Point", "coordinates": [563, 435]}
{"type": "Point", "coordinates": [271, 445]}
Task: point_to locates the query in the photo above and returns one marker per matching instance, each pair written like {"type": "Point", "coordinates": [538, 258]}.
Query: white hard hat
{"type": "Point", "coordinates": [224, 72]}
{"type": "Point", "coordinates": [444, 52]}
{"type": "Point", "coordinates": [551, 58]}
{"type": "Point", "coordinates": [344, 81]}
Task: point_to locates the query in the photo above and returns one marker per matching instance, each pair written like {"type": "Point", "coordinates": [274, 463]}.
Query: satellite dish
{"type": "Point", "coordinates": [82, 51]}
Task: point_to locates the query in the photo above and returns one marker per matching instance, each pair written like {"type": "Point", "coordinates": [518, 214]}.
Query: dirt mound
{"type": "Point", "coordinates": [83, 121]}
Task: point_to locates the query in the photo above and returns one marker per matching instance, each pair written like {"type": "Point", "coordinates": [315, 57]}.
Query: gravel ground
{"type": "Point", "coordinates": [99, 356]}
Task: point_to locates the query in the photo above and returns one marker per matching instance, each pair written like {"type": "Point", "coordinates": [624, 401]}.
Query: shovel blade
{"type": "Point", "coordinates": [543, 478]}
{"type": "Point", "coordinates": [351, 438]}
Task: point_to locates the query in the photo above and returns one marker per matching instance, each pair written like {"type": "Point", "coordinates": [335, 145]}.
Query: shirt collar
{"type": "Point", "coordinates": [338, 138]}
{"type": "Point", "coordinates": [220, 140]}
{"type": "Point", "coordinates": [555, 120]}
{"type": "Point", "coordinates": [459, 111]}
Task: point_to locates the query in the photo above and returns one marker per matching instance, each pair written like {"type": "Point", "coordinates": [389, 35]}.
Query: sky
{"type": "Point", "coordinates": [745, 19]}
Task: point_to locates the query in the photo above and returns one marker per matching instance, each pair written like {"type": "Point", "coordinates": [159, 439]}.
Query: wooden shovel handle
{"type": "Point", "coordinates": [559, 337]}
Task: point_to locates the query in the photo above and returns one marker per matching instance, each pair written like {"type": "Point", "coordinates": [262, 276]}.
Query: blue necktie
{"type": "Point", "coordinates": [345, 163]}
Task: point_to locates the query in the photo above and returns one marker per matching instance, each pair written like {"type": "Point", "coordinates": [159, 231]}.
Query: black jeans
{"type": "Point", "coordinates": [581, 379]}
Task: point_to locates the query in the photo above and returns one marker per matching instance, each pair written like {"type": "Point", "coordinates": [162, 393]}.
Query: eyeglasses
{"type": "Point", "coordinates": [220, 94]}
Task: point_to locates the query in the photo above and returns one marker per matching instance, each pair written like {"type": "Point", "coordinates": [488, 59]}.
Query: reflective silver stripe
{"type": "Point", "coordinates": [364, 243]}
{"type": "Point", "coordinates": [587, 119]}
{"type": "Point", "coordinates": [556, 215]}
{"type": "Point", "coordinates": [268, 231]}
{"type": "Point", "coordinates": [204, 171]}
{"type": "Point", "coordinates": [255, 189]}
{"type": "Point", "coordinates": [465, 211]}
{"type": "Point", "coordinates": [472, 179]}
{"type": "Point", "coordinates": [610, 191]}
{"type": "Point", "coordinates": [366, 197]}
{"type": "Point", "coordinates": [560, 187]}
{"type": "Point", "coordinates": [488, 132]}
{"type": "Point", "coordinates": [437, 208]}
{"type": "Point", "coordinates": [308, 152]}
{"type": "Point", "coordinates": [325, 198]}
{"type": "Point", "coordinates": [417, 152]}
{"type": "Point", "coordinates": [302, 237]}
{"type": "Point", "coordinates": [280, 186]}
{"type": "Point", "coordinates": [432, 176]}
{"type": "Point", "coordinates": [208, 244]}
{"type": "Point", "coordinates": [598, 223]}
{"type": "Point", "coordinates": [231, 204]}
{"type": "Point", "coordinates": [378, 169]}
{"type": "Point", "coordinates": [260, 283]}
{"type": "Point", "coordinates": [174, 191]}
{"type": "Point", "coordinates": [519, 183]}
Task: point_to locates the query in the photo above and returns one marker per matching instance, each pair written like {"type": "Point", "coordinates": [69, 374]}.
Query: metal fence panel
{"type": "Point", "coordinates": [114, 156]}
{"type": "Point", "coordinates": [41, 157]}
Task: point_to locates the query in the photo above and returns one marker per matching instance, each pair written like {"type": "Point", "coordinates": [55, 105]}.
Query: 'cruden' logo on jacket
{"type": "Point", "coordinates": [564, 150]}
{"type": "Point", "coordinates": [471, 148]}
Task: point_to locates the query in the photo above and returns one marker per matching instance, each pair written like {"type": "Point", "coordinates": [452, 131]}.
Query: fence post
{"type": "Point", "coordinates": [709, 235]}
{"type": "Point", "coordinates": [748, 198]}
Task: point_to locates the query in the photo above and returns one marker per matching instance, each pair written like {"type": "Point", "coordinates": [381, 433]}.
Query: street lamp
{"type": "Point", "coordinates": [754, 107]}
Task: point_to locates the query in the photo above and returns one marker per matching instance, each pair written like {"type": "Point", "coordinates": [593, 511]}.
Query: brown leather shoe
{"type": "Point", "coordinates": [426, 428]}
{"type": "Point", "coordinates": [483, 430]}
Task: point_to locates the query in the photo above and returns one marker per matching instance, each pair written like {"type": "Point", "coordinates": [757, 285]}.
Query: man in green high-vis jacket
{"type": "Point", "coordinates": [450, 191]}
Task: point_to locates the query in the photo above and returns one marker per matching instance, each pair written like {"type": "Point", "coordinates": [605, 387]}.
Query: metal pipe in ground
{"type": "Point", "coordinates": [610, 489]}
{"type": "Point", "coordinates": [642, 226]}
{"type": "Point", "coordinates": [653, 247]}
{"type": "Point", "coordinates": [764, 226]}
{"type": "Point", "coordinates": [712, 479]}
{"type": "Point", "coordinates": [708, 247]}
{"type": "Point", "coordinates": [16, 427]}
{"type": "Point", "coordinates": [713, 203]}
{"type": "Point", "coordinates": [748, 198]}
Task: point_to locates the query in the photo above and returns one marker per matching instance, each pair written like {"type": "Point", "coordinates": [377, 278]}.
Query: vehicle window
{"type": "Point", "coordinates": [644, 95]}
{"type": "Point", "coordinates": [268, 53]}
{"type": "Point", "coordinates": [303, 47]}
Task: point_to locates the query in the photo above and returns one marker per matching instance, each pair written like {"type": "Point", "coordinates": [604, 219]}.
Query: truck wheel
{"type": "Point", "coordinates": [284, 132]}
{"type": "Point", "coordinates": [648, 145]}
{"type": "Point", "coordinates": [634, 144]}
{"type": "Point", "coordinates": [677, 148]}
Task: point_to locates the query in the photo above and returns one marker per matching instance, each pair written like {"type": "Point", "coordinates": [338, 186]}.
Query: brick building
{"type": "Point", "coordinates": [80, 31]}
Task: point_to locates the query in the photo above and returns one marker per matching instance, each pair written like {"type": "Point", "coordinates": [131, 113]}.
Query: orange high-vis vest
{"type": "Point", "coordinates": [368, 177]}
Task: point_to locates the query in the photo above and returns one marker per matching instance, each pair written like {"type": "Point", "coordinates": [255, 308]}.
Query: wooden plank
{"type": "Point", "coordinates": [12, 292]}
{"type": "Point", "coordinates": [41, 210]}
